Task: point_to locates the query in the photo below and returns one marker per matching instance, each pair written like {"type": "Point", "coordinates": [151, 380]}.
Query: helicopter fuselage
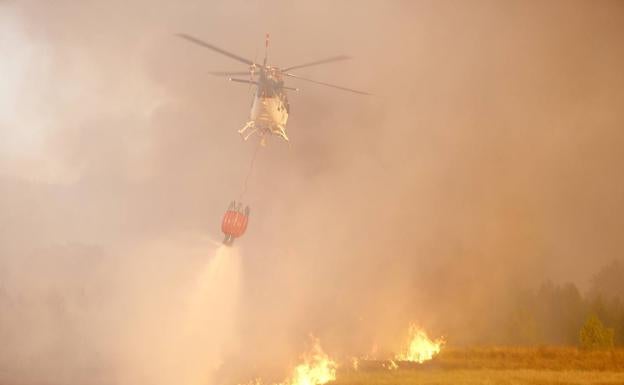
{"type": "Point", "coordinates": [269, 109]}
{"type": "Point", "coordinates": [269, 113]}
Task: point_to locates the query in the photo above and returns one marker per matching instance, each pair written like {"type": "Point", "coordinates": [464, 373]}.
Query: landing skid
{"type": "Point", "coordinates": [281, 131]}
{"type": "Point", "coordinates": [250, 129]}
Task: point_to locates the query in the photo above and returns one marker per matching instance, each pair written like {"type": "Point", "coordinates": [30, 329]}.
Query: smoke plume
{"type": "Point", "coordinates": [488, 160]}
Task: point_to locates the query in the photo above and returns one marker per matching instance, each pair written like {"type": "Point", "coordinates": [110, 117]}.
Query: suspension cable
{"type": "Point", "coordinates": [251, 165]}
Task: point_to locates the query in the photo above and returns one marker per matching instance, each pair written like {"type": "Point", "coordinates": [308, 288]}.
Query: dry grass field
{"type": "Point", "coordinates": [481, 377]}
{"type": "Point", "coordinates": [500, 365]}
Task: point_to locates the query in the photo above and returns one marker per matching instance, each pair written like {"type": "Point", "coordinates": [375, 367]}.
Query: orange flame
{"type": "Point", "coordinates": [316, 369]}
{"type": "Point", "coordinates": [420, 348]}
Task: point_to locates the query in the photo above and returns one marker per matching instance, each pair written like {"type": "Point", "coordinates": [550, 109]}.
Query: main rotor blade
{"type": "Point", "coordinates": [328, 60]}
{"type": "Point", "coordinates": [243, 81]}
{"type": "Point", "coordinates": [216, 49]}
{"type": "Point", "coordinates": [255, 82]}
{"type": "Point", "coordinates": [223, 73]}
{"type": "Point", "coordinates": [327, 84]}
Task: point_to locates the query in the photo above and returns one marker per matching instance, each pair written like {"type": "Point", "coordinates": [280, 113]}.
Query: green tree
{"type": "Point", "coordinates": [594, 335]}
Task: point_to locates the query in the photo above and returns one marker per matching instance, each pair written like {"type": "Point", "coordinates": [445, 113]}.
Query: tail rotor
{"type": "Point", "coordinates": [266, 49]}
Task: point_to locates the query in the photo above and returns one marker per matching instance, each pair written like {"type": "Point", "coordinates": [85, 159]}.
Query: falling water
{"type": "Point", "coordinates": [190, 322]}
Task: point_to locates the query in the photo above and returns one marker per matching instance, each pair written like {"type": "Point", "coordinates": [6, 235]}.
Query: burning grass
{"type": "Point", "coordinates": [316, 368]}
{"type": "Point", "coordinates": [420, 348]}
{"type": "Point", "coordinates": [427, 361]}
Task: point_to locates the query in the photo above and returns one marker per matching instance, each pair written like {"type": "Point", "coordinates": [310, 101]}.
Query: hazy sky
{"type": "Point", "coordinates": [489, 158]}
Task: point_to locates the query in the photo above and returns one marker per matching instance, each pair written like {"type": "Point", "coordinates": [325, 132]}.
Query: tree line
{"type": "Point", "coordinates": [560, 315]}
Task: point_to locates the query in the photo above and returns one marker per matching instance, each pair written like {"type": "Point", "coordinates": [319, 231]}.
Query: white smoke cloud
{"type": "Point", "coordinates": [162, 312]}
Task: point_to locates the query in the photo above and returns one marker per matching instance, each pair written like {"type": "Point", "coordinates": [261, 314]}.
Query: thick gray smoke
{"type": "Point", "coordinates": [489, 159]}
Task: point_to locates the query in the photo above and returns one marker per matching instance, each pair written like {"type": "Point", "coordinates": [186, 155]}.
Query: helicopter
{"type": "Point", "coordinates": [270, 107]}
